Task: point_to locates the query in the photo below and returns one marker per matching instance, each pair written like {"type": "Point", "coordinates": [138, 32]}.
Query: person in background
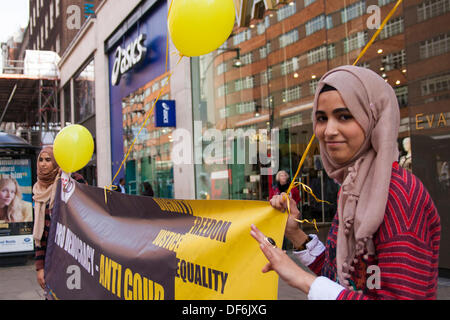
{"type": "Point", "coordinates": [385, 237]}
{"type": "Point", "coordinates": [44, 190]}
{"type": "Point", "coordinates": [121, 186]}
{"type": "Point", "coordinates": [147, 189]}
{"type": "Point", "coordinates": [282, 184]}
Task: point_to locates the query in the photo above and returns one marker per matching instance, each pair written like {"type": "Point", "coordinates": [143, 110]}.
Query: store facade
{"type": "Point", "coordinates": [138, 76]}
{"type": "Point", "coordinates": [243, 112]}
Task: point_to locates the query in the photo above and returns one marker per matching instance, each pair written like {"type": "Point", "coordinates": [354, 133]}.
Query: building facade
{"type": "Point", "coordinates": [54, 23]}
{"type": "Point", "coordinates": [243, 112]}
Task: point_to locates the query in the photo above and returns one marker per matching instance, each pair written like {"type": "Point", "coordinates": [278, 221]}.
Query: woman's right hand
{"type": "Point", "coordinates": [40, 278]}
{"type": "Point", "coordinates": [292, 231]}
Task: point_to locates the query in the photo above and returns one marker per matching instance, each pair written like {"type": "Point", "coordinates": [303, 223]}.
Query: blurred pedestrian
{"type": "Point", "coordinates": [282, 184]}
{"type": "Point", "coordinates": [147, 189]}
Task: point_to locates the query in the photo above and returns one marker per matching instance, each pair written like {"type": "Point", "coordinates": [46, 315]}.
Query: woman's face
{"type": "Point", "coordinates": [283, 178]}
{"type": "Point", "coordinates": [45, 163]}
{"type": "Point", "coordinates": [7, 194]}
{"type": "Point", "coordinates": [336, 128]}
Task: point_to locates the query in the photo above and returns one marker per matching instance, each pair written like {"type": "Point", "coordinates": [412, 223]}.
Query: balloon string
{"type": "Point", "coordinates": [383, 24]}
{"type": "Point", "coordinates": [305, 187]}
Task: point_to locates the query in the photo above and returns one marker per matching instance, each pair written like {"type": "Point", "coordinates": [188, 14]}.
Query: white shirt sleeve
{"type": "Point", "coordinates": [324, 289]}
{"type": "Point", "coordinates": [314, 248]}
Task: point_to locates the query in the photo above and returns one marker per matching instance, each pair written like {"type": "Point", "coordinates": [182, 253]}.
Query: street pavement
{"type": "Point", "coordinates": [18, 282]}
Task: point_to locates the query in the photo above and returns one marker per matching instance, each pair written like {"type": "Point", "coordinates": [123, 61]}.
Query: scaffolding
{"type": "Point", "coordinates": [29, 100]}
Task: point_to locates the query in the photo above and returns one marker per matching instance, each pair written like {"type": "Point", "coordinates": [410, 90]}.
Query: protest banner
{"type": "Point", "coordinates": [141, 248]}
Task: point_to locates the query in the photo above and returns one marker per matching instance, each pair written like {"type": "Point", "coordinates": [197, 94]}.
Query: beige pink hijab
{"type": "Point", "coordinates": [365, 179]}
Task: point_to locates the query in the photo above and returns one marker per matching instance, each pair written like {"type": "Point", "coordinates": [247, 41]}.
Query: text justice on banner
{"type": "Point", "coordinates": [140, 248]}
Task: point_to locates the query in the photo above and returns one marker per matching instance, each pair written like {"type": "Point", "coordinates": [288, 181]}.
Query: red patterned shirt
{"type": "Point", "coordinates": [407, 247]}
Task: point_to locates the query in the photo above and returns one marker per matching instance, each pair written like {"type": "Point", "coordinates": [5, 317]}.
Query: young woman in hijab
{"type": "Point", "coordinates": [283, 182]}
{"type": "Point", "coordinates": [384, 240]}
{"type": "Point", "coordinates": [48, 174]}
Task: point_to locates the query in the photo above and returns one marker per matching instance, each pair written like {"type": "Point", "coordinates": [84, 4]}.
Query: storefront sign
{"type": "Point", "coordinates": [126, 59]}
{"type": "Point", "coordinates": [431, 120]}
{"type": "Point", "coordinates": [166, 113]}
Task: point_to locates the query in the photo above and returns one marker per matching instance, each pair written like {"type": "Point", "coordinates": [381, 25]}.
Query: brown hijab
{"type": "Point", "coordinates": [44, 192]}
{"type": "Point", "coordinates": [365, 179]}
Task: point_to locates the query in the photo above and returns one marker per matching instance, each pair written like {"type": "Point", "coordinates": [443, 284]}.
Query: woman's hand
{"type": "Point", "coordinates": [292, 231]}
{"type": "Point", "coordinates": [280, 262]}
{"type": "Point", "coordinates": [40, 278]}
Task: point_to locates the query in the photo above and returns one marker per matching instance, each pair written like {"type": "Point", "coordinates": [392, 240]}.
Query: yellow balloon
{"type": "Point", "coordinates": [73, 148]}
{"type": "Point", "coordinates": [198, 27]}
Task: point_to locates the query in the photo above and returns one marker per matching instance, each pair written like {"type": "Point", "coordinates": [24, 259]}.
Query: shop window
{"type": "Point", "coordinates": [67, 104]}
{"type": "Point", "coordinates": [155, 87]}
{"type": "Point", "coordinates": [262, 26]}
{"type": "Point", "coordinates": [266, 75]}
{"type": "Point", "coordinates": [316, 24]}
{"type": "Point", "coordinates": [222, 68]}
{"type": "Point", "coordinates": [289, 66]}
{"type": "Point", "coordinates": [353, 11]}
{"type": "Point", "coordinates": [308, 2]}
{"type": "Point", "coordinates": [246, 107]}
{"type": "Point", "coordinates": [355, 41]}
{"type": "Point", "coordinates": [296, 120]}
{"type": "Point", "coordinates": [164, 82]}
{"type": "Point", "coordinates": [313, 86]}
{"type": "Point", "coordinates": [392, 28]}
{"type": "Point", "coordinates": [291, 94]}
{"type": "Point", "coordinates": [246, 83]}
{"type": "Point", "coordinates": [432, 8]}
{"type": "Point", "coordinates": [57, 8]}
{"type": "Point", "coordinates": [226, 112]}
{"type": "Point", "coordinates": [329, 22]}
{"type": "Point", "coordinates": [263, 52]}
{"type": "Point", "coordinates": [286, 11]}
{"type": "Point", "coordinates": [384, 2]}
{"type": "Point", "coordinates": [288, 38]}
{"type": "Point", "coordinates": [247, 58]}
{"type": "Point", "coordinates": [364, 64]}
{"type": "Point", "coordinates": [242, 37]}
{"type": "Point", "coordinates": [402, 96]}
{"type": "Point", "coordinates": [320, 54]}
{"type": "Point", "coordinates": [435, 84]}
{"type": "Point", "coordinates": [268, 102]}
{"type": "Point", "coordinates": [394, 61]}
{"type": "Point", "coordinates": [222, 90]}
{"type": "Point", "coordinates": [434, 47]}
{"type": "Point", "coordinates": [84, 93]}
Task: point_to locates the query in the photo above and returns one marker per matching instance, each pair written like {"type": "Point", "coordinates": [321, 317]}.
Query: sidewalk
{"type": "Point", "coordinates": [19, 283]}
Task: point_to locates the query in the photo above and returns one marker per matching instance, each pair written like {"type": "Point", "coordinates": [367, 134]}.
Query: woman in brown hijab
{"type": "Point", "coordinates": [44, 190]}
{"type": "Point", "coordinates": [384, 240]}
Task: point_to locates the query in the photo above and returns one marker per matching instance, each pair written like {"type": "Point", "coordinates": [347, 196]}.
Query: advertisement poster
{"type": "Point", "coordinates": [143, 248]}
{"type": "Point", "coordinates": [16, 213]}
